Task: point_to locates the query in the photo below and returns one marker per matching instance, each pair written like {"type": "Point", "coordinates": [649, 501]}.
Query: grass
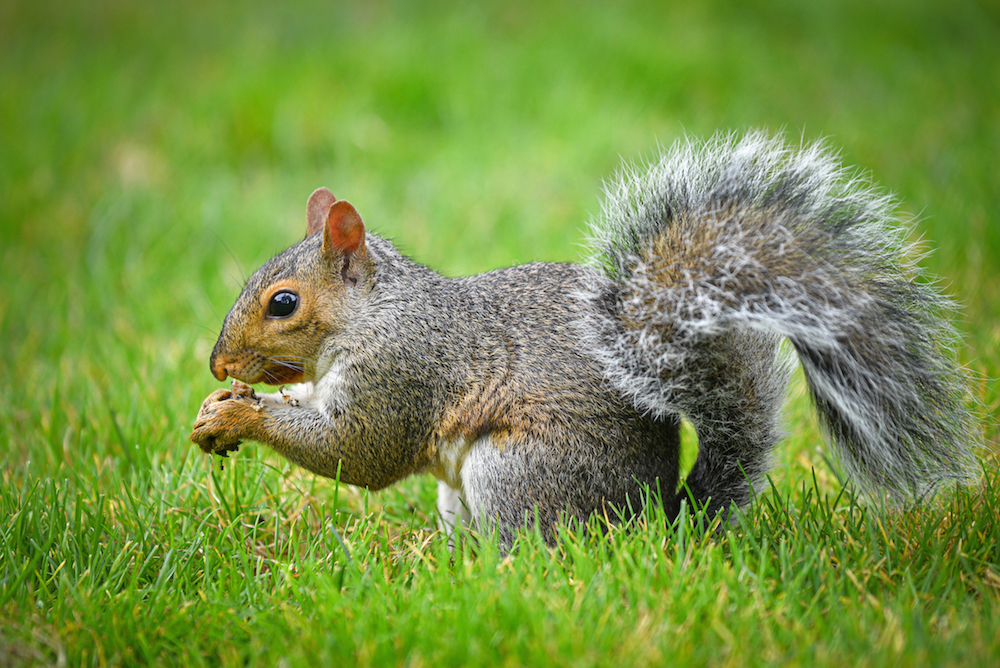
{"type": "Point", "coordinates": [151, 155]}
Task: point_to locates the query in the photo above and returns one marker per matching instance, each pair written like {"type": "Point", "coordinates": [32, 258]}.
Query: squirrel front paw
{"type": "Point", "coordinates": [225, 418]}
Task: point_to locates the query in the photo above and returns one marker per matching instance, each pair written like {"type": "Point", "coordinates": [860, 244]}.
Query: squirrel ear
{"type": "Point", "coordinates": [317, 210]}
{"type": "Point", "coordinates": [344, 232]}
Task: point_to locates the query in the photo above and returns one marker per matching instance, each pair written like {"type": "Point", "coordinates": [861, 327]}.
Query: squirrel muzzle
{"type": "Point", "coordinates": [252, 367]}
{"type": "Point", "coordinates": [218, 364]}
{"type": "Point", "coordinates": [219, 371]}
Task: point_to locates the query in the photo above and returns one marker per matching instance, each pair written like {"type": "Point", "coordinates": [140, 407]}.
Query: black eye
{"type": "Point", "coordinates": [282, 304]}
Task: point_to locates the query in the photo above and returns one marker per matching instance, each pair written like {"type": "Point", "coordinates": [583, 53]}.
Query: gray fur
{"type": "Point", "coordinates": [719, 248]}
{"type": "Point", "coordinates": [551, 389]}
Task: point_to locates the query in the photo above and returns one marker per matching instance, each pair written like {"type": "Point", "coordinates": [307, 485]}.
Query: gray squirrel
{"type": "Point", "coordinates": [548, 389]}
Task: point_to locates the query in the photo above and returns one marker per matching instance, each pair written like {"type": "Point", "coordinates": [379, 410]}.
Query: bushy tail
{"type": "Point", "coordinates": [720, 249]}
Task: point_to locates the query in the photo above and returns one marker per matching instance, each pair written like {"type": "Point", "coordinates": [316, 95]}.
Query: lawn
{"type": "Point", "coordinates": [153, 154]}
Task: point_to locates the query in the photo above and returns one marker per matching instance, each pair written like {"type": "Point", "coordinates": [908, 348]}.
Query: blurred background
{"type": "Point", "coordinates": [153, 154]}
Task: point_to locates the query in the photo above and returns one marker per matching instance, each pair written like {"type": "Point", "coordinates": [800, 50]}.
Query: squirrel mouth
{"type": "Point", "coordinates": [252, 367]}
{"type": "Point", "coordinates": [280, 374]}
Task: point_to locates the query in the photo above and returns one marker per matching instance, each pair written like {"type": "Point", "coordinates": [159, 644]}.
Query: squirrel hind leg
{"type": "Point", "coordinates": [453, 511]}
{"type": "Point", "coordinates": [733, 394]}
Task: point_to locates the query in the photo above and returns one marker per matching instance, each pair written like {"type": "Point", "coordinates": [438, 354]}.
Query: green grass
{"type": "Point", "coordinates": [153, 154]}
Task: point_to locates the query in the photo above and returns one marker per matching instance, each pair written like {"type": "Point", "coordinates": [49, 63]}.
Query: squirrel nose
{"type": "Point", "coordinates": [217, 366]}
{"type": "Point", "coordinates": [219, 371]}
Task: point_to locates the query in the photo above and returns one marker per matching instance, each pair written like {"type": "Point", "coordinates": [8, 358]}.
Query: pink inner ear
{"type": "Point", "coordinates": [317, 210]}
{"type": "Point", "coordinates": [346, 231]}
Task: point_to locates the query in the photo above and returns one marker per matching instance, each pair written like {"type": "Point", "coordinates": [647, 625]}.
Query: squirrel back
{"type": "Point", "coordinates": [551, 389]}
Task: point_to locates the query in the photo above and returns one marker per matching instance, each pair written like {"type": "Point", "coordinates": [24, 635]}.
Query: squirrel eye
{"type": "Point", "coordinates": [282, 304]}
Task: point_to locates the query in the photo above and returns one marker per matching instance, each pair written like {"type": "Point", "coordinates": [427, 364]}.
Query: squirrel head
{"type": "Point", "coordinates": [291, 306]}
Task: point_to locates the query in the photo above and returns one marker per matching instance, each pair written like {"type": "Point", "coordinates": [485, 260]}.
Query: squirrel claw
{"type": "Point", "coordinates": [210, 444]}
{"type": "Point", "coordinates": [221, 419]}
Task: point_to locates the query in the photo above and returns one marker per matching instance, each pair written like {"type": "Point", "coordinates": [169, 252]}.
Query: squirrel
{"type": "Point", "coordinates": [546, 390]}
